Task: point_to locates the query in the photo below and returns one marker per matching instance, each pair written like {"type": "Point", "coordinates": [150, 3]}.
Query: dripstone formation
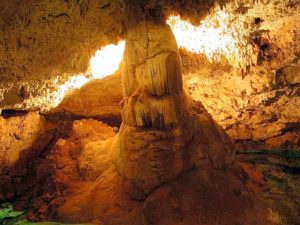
{"type": "Point", "coordinates": [170, 163]}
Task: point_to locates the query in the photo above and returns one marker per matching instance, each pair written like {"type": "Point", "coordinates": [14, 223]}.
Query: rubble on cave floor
{"type": "Point", "coordinates": [274, 173]}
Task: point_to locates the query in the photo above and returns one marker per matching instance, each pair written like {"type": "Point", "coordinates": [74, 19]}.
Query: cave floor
{"type": "Point", "coordinates": [9, 216]}
{"type": "Point", "coordinates": [275, 172]}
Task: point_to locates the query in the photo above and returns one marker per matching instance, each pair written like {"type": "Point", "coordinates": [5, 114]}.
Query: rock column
{"type": "Point", "coordinates": [150, 140]}
{"type": "Point", "coordinates": [164, 133]}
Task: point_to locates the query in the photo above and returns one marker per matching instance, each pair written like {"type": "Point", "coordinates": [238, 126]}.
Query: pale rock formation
{"type": "Point", "coordinates": [157, 143]}
{"type": "Point", "coordinates": [163, 167]}
{"type": "Point", "coordinates": [158, 140]}
{"type": "Point", "coordinates": [254, 105]}
{"type": "Point", "coordinates": [97, 99]}
{"type": "Point", "coordinates": [261, 104]}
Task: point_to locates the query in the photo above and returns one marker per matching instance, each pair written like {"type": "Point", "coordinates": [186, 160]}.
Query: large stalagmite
{"type": "Point", "coordinates": [170, 163]}
{"type": "Point", "coordinates": [168, 149]}
{"type": "Point", "coordinates": [156, 141]}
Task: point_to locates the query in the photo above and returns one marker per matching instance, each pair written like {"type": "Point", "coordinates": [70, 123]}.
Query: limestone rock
{"type": "Point", "coordinates": [162, 134]}
{"type": "Point", "coordinates": [171, 163]}
{"type": "Point", "coordinates": [96, 158]}
{"type": "Point", "coordinates": [40, 40]}
{"type": "Point", "coordinates": [97, 99]}
{"type": "Point", "coordinates": [194, 199]}
{"type": "Point", "coordinates": [238, 99]}
{"type": "Point", "coordinates": [292, 73]}
{"type": "Point", "coordinates": [20, 133]}
{"type": "Point", "coordinates": [47, 172]}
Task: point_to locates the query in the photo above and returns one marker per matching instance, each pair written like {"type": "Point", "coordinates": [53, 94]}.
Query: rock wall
{"type": "Point", "coordinates": [25, 140]}
{"type": "Point", "coordinates": [45, 43]}
{"type": "Point", "coordinates": [257, 105]}
{"type": "Point", "coordinates": [19, 133]}
{"type": "Point", "coordinates": [44, 38]}
{"type": "Point", "coordinates": [98, 99]}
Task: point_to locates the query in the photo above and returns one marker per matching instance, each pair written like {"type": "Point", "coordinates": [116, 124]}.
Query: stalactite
{"type": "Point", "coordinates": [159, 138]}
{"type": "Point", "coordinates": [160, 75]}
{"type": "Point", "coordinates": [152, 85]}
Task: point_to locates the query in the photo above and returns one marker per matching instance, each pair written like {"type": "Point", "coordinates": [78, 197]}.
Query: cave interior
{"type": "Point", "coordinates": [150, 112]}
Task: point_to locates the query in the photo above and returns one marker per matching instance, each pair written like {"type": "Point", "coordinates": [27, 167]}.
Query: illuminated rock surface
{"type": "Point", "coordinates": [170, 163]}
{"type": "Point", "coordinates": [89, 101]}
{"type": "Point", "coordinates": [257, 106]}
{"type": "Point", "coordinates": [57, 180]}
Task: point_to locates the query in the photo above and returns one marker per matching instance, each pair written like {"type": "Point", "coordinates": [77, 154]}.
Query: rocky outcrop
{"type": "Point", "coordinates": [170, 163]}
{"type": "Point", "coordinates": [56, 189]}
{"type": "Point", "coordinates": [97, 99]}
{"type": "Point", "coordinates": [25, 141]}
{"type": "Point", "coordinates": [40, 40]}
{"type": "Point", "coordinates": [277, 173]}
{"type": "Point", "coordinates": [257, 104]}
{"type": "Point", "coordinates": [19, 133]}
{"type": "Point", "coordinates": [46, 172]}
{"type": "Point", "coordinates": [42, 45]}
{"type": "Point", "coordinates": [258, 107]}
{"type": "Point", "coordinates": [163, 150]}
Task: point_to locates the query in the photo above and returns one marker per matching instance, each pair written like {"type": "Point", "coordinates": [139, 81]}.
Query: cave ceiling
{"type": "Point", "coordinates": [42, 39]}
{"type": "Point", "coordinates": [240, 58]}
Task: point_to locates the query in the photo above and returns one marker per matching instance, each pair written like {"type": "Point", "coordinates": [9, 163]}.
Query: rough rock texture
{"type": "Point", "coordinates": [257, 105]}
{"type": "Point", "coordinates": [56, 189]}
{"type": "Point", "coordinates": [158, 155]}
{"type": "Point", "coordinates": [98, 99]}
{"type": "Point", "coordinates": [161, 149]}
{"type": "Point", "coordinates": [44, 38]}
{"type": "Point", "coordinates": [265, 119]}
{"type": "Point", "coordinates": [19, 133]}
{"type": "Point", "coordinates": [164, 165]}
{"type": "Point", "coordinates": [43, 43]}
{"type": "Point", "coordinates": [43, 175]}
{"type": "Point", "coordinates": [26, 134]}
{"type": "Point", "coordinates": [276, 172]}
{"type": "Point", "coordinates": [153, 144]}
{"type": "Point", "coordinates": [24, 137]}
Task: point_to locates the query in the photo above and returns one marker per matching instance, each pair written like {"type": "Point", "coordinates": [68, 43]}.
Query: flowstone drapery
{"type": "Point", "coordinates": [170, 163]}
{"type": "Point", "coordinates": [160, 137]}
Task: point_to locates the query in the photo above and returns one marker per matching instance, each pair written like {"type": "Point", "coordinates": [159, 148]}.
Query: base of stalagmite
{"type": "Point", "coordinates": [200, 196]}
{"type": "Point", "coordinates": [206, 192]}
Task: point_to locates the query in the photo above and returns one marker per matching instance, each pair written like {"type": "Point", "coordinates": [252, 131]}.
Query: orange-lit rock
{"type": "Point", "coordinates": [51, 164]}
{"type": "Point", "coordinates": [263, 40]}
{"type": "Point", "coordinates": [25, 140]}
{"type": "Point", "coordinates": [262, 101]}
{"type": "Point", "coordinates": [99, 99]}
{"type": "Point", "coordinates": [152, 152]}
{"type": "Point", "coordinates": [170, 162]}
{"type": "Point", "coordinates": [19, 133]}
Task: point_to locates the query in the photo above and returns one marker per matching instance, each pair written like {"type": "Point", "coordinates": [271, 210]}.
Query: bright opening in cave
{"type": "Point", "coordinates": [214, 38]}
{"type": "Point", "coordinates": [107, 60]}
{"type": "Point", "coordinates": [218, 36]}
{"type": "Point", "coordinates": [103, 63]}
